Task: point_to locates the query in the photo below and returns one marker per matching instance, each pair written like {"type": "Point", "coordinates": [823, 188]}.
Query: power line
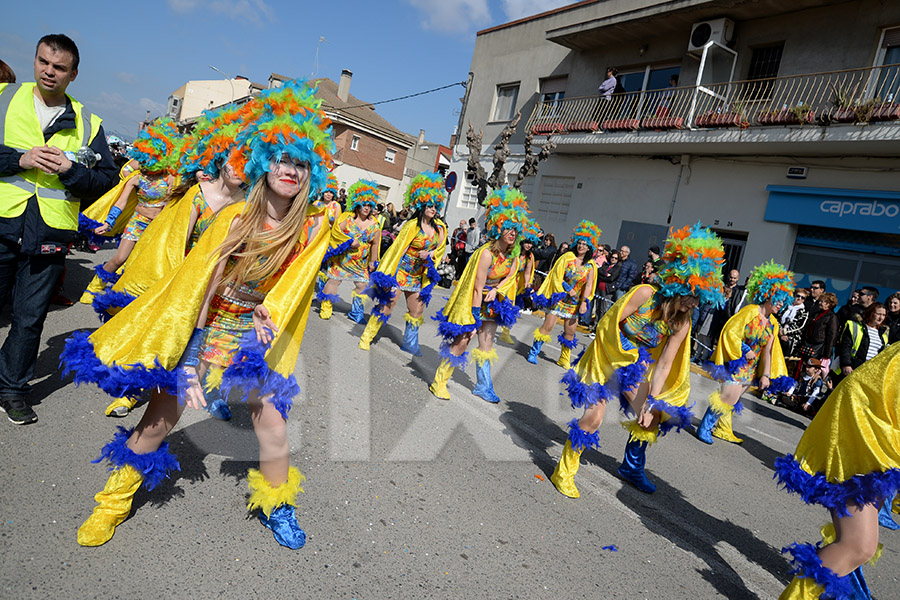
{"type": "Point", "coordinates": [437, 89]}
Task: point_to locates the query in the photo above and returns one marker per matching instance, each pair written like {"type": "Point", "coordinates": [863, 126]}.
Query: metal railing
{"type": "Point", "coordinates": [853, 95]}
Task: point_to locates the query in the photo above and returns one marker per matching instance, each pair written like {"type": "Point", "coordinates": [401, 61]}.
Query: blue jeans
{"type": "Point", "coordinates": [29, 282]}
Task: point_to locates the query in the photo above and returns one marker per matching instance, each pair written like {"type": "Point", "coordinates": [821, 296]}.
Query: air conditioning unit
{"type": "Point", "coordinates": [715, 30]}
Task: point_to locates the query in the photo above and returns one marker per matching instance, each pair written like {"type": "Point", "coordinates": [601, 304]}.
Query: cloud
{"type": "Point", "coordinates": [183, 6]}
{"type": "Point", "coordinates": [127, 78]}
{"type": "Point", "coordinates": [453, 16]}
{"type": "Point", "coordinates": [518, 9]}
{"type": "Point", "coordinates": [253, 11]}
{"type": "Point", "coordinates": [121, 115]}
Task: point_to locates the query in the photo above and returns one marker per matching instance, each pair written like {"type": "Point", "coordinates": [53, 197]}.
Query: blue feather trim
{"type": "Point", "coordinates": [570, 344]}
{"type": "Point", "coordinates": [338, 250]}
{"type": "Point", "coordinates": [433, 278]}
{"type": "Point", "coordinates": [582, 395]}
{"type": "Point", "coordinates": [105, 276]}
{"type": "Point", "coordinates": [249, 372]}
{"type": "Point", "coordinates": [625, 406]}
{"type": "Point", "coordinates": [104, 301]}
{"type": "Point", "coordinates": [724, 372]}
{"type": "Point", "coordinates": [458, 362]}
{"type": "Point", "coordinates": [681, 416]}
{"type": "Point", "coordinates": [808, 564]}
{"type": "Point", "coordinates": [738, 408]}
{"type": "Point", "coordinates": [381, 290]}
{"type": "Point", "coordinates": [449, 330]}
{"type": "Point", "coordinates": [505, 312]}
{"type": "Point", "coordinates": [86, 227]}
{"type": "Point", "coordinates": [78, 357]}
{"type": "Point", "coordinates": [541, 301]}
{"type": "Point", "coordinates": [322, 296]}
{"type": "Point", "coordinates": [631, 376]}
{"type": "Point", "coordinates": [781, 385]}
{"type": "Point", "coordinates": [154, 466]}
{"type": "Point", "coordinates": [581, 439]}
{"type": "Point", "coordinates": [376, 312]}
{"type": "Point", "coordinates": [578, 358]}
{"type": "Point", "coordinates": [816, 489]}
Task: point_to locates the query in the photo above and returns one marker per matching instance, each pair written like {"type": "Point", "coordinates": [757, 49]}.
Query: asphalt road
{"type": "Point", "coordinates": [407, 496]}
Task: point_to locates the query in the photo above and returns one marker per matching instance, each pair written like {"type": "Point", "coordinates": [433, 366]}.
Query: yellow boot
{"type": "Point", "coordinates": [565, 358]}
{"type": "Point", "coordinates": [439, 386]}
{"type": "Point", "coordinates": [113, 507]}
{"type": "Point", "coordinates": [120, 407]}
{"type": "Point", "coordinates": [564, 474]}
{"type": "Point", "coordinates": [802, 588]}
{"type": "Point", "coordinates": [370, 332]}
{"type": "Point", "coordinates": [505, 337]}
{"type": "Point", "coordinates": [723, 429]}
{"type": "Point", "coordinates": [94, 287]}
{"type": "Point", "coordinates": [325, 309]}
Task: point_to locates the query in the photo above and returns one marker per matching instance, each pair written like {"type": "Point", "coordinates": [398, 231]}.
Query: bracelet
{"type": "Point", "coordinates": [766, 375]}
{"type": "Point", "coordinates": [113, 214]}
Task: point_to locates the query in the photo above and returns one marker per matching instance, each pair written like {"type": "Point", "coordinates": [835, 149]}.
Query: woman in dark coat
{"type": "Point", "coordinates": [820, 334]}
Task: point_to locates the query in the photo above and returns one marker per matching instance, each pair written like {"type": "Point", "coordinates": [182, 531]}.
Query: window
{"type": "Point", "coordinates": [505, 104]}
{"type": "Point", "coordinates": [556, 193]}
{"type": "Point", "coordinates": [764, 64]}
{"type": "Point", "coordinates": [553, 90]}
{"type": "Point", "coordinates": [354, 143]}
{"type": "Point", "coordinates": [468, 197]}
{"type": "Point", "coordinates": [389, 155]}
{"type": "Point", "coordinates": [888, 88]}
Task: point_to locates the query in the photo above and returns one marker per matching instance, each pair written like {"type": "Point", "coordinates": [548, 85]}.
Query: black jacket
{"type": "Point", "coordinates": [608, 275]}
{"type": "Point", "coordinates": [821, 332]}
{"type": "Point", "coordinates": [29, 229]}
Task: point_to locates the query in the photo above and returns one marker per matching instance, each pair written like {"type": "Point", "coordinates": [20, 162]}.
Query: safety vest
{"type": "Point", "coordinates": [21, 130]}
{"type": "Point", "coordinates": [856, 335]}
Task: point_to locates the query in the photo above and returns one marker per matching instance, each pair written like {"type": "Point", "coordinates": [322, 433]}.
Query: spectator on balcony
{"type": "Point", "coordinates": [667, 98]}
{"type": "Point", "coordinates": [610, 85]}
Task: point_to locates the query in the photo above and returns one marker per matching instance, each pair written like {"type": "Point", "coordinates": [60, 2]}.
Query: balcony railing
{"type": "Point", "coordinates": [856, 95]}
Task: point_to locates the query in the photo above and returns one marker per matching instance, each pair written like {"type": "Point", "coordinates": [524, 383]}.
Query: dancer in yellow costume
{"type": "Point", "coordinates": [484, 296]}
{"type": "Point", "coordinates": [356, 244]}
{"type": "Point", "coordinates": [237, 306]}
{"type": "Point", "coordinates": [154, 150]}
{"type": "Point", "coordinates": [188, 213]}
{"type": "Point", "coordinates": [531, 235]}
{"type": "Point", "coordinates": [97, 213]}
{"type": "Point", "coordinates": [641, 356]}
{"type": "Point", "coordinates": [748, 352]}
{"type": "Point", "coordinates": [565, 293]}
{"type": "Point", "coordinates": [848, 461]}
{"type": "Point", "coordinates": [409, 264]}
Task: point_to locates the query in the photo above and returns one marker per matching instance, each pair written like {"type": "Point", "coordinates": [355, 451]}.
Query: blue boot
{"type": "Point", "coordinates": [858, 582]}
{"type": "Point", "coordinates": [215, 404]}
{"type": "Point", "coordinates": [536, 346]}
{"type": "Point", "coordinates": [885, 519]}
{"type": "Point", "coordinates": [411, 335]}
{"type": "Point", "coordinates": [357, 312]}
{"type": "Point", "coordinates": [704, 430]}
{"type": "Point", "coordinates": [283, 523]}
{"type": "Point", "coordinates": [484, 388]}
{"type": "Point", "coordinates": [632, 469]}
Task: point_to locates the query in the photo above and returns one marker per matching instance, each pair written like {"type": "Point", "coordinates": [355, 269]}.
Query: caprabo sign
{"type": "Point", "coordinates": [856, 210]}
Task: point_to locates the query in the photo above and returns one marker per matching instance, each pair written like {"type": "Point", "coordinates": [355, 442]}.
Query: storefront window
{"type": "Point", "coordinates": [844, 271]}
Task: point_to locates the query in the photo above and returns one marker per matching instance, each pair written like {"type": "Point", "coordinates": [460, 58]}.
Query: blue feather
{"type": "Point", "coordinates": [808, 564]}
{"type": "Point", "coordinates": [381, 290]}
{"type": "Point", "coordinates": [458, 362]}
{"type": "Point", "coordinates": [724, 372]}
{"type": "Point", "coordinates": [581, 439]}
{"type": "Point", "coordinates": [631, 376]}
{"type": "Point", "coordinates": [570, 344]}
{"type": "Point", "coordinates": [154, 466]}
{"type": "Point", "coordinates": [86, 227]}
{"type": "Point", "coordinates": [78, 357]}
{"type": "Point", "coordinates": [505, 312]}
{"type": "Point", "coordinates": [321, 296]}
{"type": "Point", "coordinates": [338, 250]}
{"type": "Point", "coordinates": [105, 276]}
{"type": "Point", "coordinates": [681, 416]}
{"type": "Point", "coordinates": [250, 372]}
{"type": "Point", "coordinates": [108, 299]}
{"type": "Point", "coordinates": [433, 277]}
{"type": "Point", "coordinates": [781, 385]}
{"type": "Point", "coordinates": [449, 330]}
{"type": "Point", "coordinates": [582, 395]}
{"type": "Point", "coordinates": [578, 358]}
{"type": "Point", "coordinates": [738, 408]}
{"type": "Point", "coordinates": [539, 301]}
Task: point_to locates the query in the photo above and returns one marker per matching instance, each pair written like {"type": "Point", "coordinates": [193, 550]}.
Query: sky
{"type": "Point", "coordinates": [135, 54]}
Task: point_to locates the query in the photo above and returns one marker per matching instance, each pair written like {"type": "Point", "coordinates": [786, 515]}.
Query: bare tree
{"type": "Point", "coordinates": [497, 179]}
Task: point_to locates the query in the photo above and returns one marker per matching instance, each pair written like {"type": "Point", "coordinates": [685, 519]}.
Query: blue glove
{"type": "Point", "coordinates": [113, 214]}
{"type": "Point", "coordinates": [476, 312]}
{"type": "Point", "coordinates": [566, 287]}
{"type": "Point", "coordinates": [191, 356]}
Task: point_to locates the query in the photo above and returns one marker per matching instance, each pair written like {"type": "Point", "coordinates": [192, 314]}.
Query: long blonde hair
{"type": "Point", "coordinates": [670, 314]}
{"type": "Point", "coordinates": [248, 239]}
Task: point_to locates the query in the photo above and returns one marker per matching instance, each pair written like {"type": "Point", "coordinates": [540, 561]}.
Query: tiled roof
{"type": "Point", "coordinates": [354, 109]}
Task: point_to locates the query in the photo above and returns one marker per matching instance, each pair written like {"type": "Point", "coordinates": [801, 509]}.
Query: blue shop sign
{"type": "Point", "coordinates": [857, 210]}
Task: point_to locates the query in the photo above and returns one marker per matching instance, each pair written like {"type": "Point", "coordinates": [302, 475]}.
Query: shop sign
{"type": "Point", "coordinates": [856, 210]}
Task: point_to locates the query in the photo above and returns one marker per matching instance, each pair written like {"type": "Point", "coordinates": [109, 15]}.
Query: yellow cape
{"type": "Point", "coordinates": [521, 282]}
{"type": "Point", "coordinates": [605, 356]}
{"type": "Point", "coordinates": [553, 283]}
{"type": "Point", "coordinates": [729, 346]}
{"type": "Point", "coordinates": [100, 207]}
{"type": "Point", "coordinates": [162, 245]}
{"type": "Point", "coordinates": [390, 262]}
{"type": "Point", "coordinates": [159, 323]}
{"type": "Point", "coordinates": [459, 307]}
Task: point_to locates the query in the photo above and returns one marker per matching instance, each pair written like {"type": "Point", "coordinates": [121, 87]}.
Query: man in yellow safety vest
{"type": "Point", "coordinates": [53, 158]}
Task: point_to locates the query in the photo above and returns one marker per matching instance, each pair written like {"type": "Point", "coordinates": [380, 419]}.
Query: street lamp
{"type": "Point", "coordinates": [226, 76]}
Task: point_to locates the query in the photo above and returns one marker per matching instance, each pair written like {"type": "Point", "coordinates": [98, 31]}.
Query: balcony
{"type": "Point", "coordinates": [775, 114]}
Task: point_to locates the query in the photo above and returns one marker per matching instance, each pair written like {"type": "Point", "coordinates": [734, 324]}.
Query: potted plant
{"type": "Point", "coordinates": [845, 110]}
{"type": "Point", "coordinates": [729, 116]}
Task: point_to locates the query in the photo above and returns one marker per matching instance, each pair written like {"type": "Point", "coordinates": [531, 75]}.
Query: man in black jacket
{"type": "Point", "coordinates": [628, 272]}
{"type": "Point", "coordinates": [53, 161]}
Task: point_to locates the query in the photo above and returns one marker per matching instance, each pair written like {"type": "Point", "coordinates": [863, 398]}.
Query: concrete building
{"type": "Point", "coordinates": [425, 156]}
{"type": "Point", "coordinates": [780, 131]}
{"type": "Point", "coordinates": [190, 100]}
